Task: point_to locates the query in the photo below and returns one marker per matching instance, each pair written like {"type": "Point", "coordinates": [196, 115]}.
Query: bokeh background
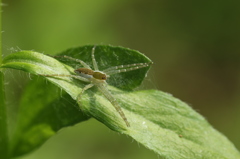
{"type": "Point", "coordinates": [195, 46]}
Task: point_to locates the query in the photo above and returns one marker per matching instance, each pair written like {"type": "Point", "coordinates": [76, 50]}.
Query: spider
{"type": "Point", "coordinates": [98, 78]}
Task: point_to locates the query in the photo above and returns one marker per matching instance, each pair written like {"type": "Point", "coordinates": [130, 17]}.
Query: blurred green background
{"type": "Point", "coordinates": [195, 46]}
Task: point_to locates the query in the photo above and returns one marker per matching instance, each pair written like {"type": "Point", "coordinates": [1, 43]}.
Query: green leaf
{"type": "Point", "coordinates": [43, 110]}
{"type": "Point", "coordinates": [159, 121]}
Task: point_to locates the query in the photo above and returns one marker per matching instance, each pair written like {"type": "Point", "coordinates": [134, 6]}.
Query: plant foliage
{"type": "Point", "coordinates": [159, 121]}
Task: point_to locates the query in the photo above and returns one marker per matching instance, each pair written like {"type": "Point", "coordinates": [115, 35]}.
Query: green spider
{"type": "Point", "coordinates": [98, 78]}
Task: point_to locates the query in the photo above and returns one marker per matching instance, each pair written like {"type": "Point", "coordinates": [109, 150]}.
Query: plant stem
{"type": "Point", "coordinates": [3, 114]}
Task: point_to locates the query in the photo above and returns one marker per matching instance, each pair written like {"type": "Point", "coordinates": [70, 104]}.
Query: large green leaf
{"type": "Point", "coordinates": [158, 120]}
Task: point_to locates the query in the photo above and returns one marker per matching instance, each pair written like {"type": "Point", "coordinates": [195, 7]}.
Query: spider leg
{"type": "Point", "coordinates": [95, 66]}
{"type": "Point", "coordinates": [60, 75]}
{"type": "Point", "coordinates": [125, 68]}
{"type": "Point", "coordinates": [80, 94]}
{"type": "Point", "coordinates": [73, 59]}
{"type": "Point", "coordinates": [113, 101]}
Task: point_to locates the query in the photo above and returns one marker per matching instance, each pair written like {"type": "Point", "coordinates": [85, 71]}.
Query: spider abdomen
{"type": "Point", "coordinates": [84, 72]}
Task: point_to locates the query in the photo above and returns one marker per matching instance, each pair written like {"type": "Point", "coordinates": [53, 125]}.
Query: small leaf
{"type": "Point", "coordinates": [107, 56]}
{"type": "Point", "coordinates": [159, 121]}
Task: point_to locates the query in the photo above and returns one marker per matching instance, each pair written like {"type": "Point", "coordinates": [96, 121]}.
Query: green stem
{"type": "Point", "coordinates": [3, 115]}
